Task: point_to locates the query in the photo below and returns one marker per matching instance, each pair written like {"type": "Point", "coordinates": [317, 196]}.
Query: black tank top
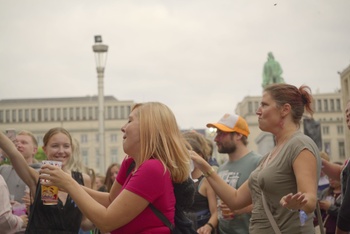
{"type": "Point", "coordinates": [55, 219]}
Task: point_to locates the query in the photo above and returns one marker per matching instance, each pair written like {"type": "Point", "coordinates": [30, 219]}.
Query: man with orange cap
{"type": "Point", "coordinates": [232, 138]}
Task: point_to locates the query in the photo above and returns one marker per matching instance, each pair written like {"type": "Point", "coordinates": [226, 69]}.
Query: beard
{"type": "Point", "coordinates": [227, 149]}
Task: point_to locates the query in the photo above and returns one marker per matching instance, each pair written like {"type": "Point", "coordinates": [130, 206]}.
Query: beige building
{"type": "Point", "coordinates": [328, 112]}
{"type": "Point", "coordinates": [79, 115]}
{"type": "Point", "coordinates": [345, 86]}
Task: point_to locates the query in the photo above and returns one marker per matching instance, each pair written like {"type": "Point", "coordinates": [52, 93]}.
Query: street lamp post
{"type": "Point", "coordinates": [100, 51]}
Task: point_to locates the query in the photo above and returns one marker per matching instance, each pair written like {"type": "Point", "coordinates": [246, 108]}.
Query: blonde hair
{"type": "Point", "coordinates": [27, 133]}
{"type": "Point", "coordinates": [161, 139]}
{"type": "Point", "coordinates": [75, 162]}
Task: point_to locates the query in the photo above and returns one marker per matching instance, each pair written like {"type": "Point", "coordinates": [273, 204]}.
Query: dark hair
{"type": "Point", "coordinates": [108, 182]}
{"type": "Point", "coordinates": [299, 99]}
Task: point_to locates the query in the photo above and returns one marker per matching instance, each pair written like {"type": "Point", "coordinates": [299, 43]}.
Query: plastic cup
{"type": "Point", "coordinates": [49, 194]}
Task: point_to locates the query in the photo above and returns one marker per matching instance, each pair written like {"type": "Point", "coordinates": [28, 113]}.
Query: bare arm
{"type": "Point", "coordinates": [124, 208]}
{"type": "Point", "coordinates": [24, 171]}
{"type": "Point", "coordinates": [233, 198]}
{"type": "Point", "coordinates": [332, 170]}
{"type": "Point", "coordinates": [207, 191]}
{"type": "Point", "coordinates": [305, 170]}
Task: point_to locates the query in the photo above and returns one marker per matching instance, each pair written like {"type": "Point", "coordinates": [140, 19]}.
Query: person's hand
{"type": "Point", "coordinates": [205, 229]}
{"type": "Point", "coordinates": [25, 220]}
{"type": "Point", "coordinates": [293, 201]}
{"type": "Point", "coordinates": [13, 203]}
{"type": "Point", "coordinates": [325, 204]}
{"type": "Point", "coordinates": [199, 161]}
{"type": "Point", "coordinates": [226, 213]}
{"type": "Point", "coordinates": [52, 175]}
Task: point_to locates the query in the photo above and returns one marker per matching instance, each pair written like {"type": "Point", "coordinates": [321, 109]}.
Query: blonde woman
{"type": "Point", "coordinates": [153, 141]}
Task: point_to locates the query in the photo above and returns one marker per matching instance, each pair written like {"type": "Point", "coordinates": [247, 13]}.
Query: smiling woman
{"type": "Point", "coordinates": [54, 218]}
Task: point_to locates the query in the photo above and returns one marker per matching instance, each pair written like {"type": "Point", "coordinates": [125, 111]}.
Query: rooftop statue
{"type": "Point", "coordinates": [272, 71]}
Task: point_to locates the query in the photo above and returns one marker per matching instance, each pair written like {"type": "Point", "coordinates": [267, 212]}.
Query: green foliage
{"type": "Point", "coordinates": [40, 155]}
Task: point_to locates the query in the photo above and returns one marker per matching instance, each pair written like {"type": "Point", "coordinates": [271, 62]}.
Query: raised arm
{"type": "Point", "coordinates": [24, 171]}
{"type": "Point", "coordinates": [332, 170]}
{"type": "Point", "coordinates": [233, 198]}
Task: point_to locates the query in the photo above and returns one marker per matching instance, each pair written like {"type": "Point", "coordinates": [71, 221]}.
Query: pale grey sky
{"type": "Point", "coordinates": [199, 57]}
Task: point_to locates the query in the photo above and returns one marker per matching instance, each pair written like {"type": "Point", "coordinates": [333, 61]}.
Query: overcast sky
{"type": "Point", "coordinates": [199, 57]}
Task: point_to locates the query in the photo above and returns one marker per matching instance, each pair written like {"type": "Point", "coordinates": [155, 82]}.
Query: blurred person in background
{"type": "Point", "coordinates": [99, 184]}
{"type": "Point", "coordinates": [111, 175]}
{"type": "Point", "coordinates": [203, 212]}
{"type": "Point", "coordinates": [9, 223]}
{"type": "Point", "coordinates": [27, 145]}
{"type": "Point", "coordinates": [330, 201]}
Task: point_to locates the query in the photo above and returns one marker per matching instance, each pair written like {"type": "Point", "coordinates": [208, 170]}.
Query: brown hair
{"type": "Point", "coordinates": [199, 143]}
{"type": "Point", "coordinates": [299, 99]}
{"type": "Point", "coordinates": [108, 182]}
{"type": "Point", "coordinates": [54, 131]}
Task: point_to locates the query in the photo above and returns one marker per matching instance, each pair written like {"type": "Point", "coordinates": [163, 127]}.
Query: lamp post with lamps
{"type": "Point", "coordinates": [100, 51]}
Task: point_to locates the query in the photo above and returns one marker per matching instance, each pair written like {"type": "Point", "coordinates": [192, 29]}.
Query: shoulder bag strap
{"type": "Point", "coordinates": [319, 218]}
{"type": "Point", "coordinates": [269, 215]}
{"type": "Point", "coordinates": [161, 216]}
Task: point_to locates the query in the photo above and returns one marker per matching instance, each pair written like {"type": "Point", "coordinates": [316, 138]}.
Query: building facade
{"type": "Point", "coordinates": [345, 86]}
{"type": "Point", "coordinates": [79, 115]}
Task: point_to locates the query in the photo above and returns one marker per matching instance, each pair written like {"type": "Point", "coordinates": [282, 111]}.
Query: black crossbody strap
{"type": "Point", "coordinates": [161, 216]}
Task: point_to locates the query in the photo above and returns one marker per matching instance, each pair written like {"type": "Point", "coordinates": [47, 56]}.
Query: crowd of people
{"type": "Point", "coordinates": [248, 193]}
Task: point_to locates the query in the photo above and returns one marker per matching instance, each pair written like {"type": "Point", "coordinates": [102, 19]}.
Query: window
{"type": "Point", "coordinates": [90, 113]}
{"type": "Point", "coordinates": [341, 148]}
{"type": "Point", "coordinates": [20, 115]}
{"type": "Point", "coordinates": [58, 112]}
{"type": "Point", "coordinates": [84, 138]}
{"type": "Point", "coordinates": [325, 103]}
{"type": "Point", "coordinates": [39, 115]}
{"type": "Point", "coordinates": [97, 138]}
{"type": "Point", "coordinates": [14, 116]}
{"type": "Point", "coordinates": [128, 111]}
{"type": "Point", "coordinates": [71, 113]}
{"type": "Point", "coordinates": [114, 155]}
{"type": "Point", "coordinates": [338, 104]}
{"type": "Point", "coordinates": [116, 112]}
{"type": "Point", "coordinates": [85, 156]}
{"type": "Point", "coordinates": [113, 137]}
{"type": "Point", "coordinates": [65, 114]}
{"type": "Point", "coordinates": [250, 107]}
{"type": "Point", "coordinates": [319, 105]}
{"type": "Point", "coordinates": [7, 116]}
{"type": "Point", "coordinates": [1, 116]}
{"type": "Point", "coordinates": [340, 129]}
{"type": "Point", "coordinates": [26, 115]}
{"type": "Point", "coordinates": [327, 148]}
{"type": "Point", "coordinates": [52, 114]}
{"type": "Point", "coordinates": [77, 113]}
{"type": "Point", "coordinates": [122, 114]}
{"type": "Point", "coordinates": [325, 130]}
{"type": "Point", "coordinates": [332, 104]}
{"type": "Point", "coordinates": [46, 114]}
{"type": "Point", "coordinates": [84, 115]}
{"type": "Point", "coordinates": [97, 157]}
{"type": "Point", "coordinates": [109, 112]}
